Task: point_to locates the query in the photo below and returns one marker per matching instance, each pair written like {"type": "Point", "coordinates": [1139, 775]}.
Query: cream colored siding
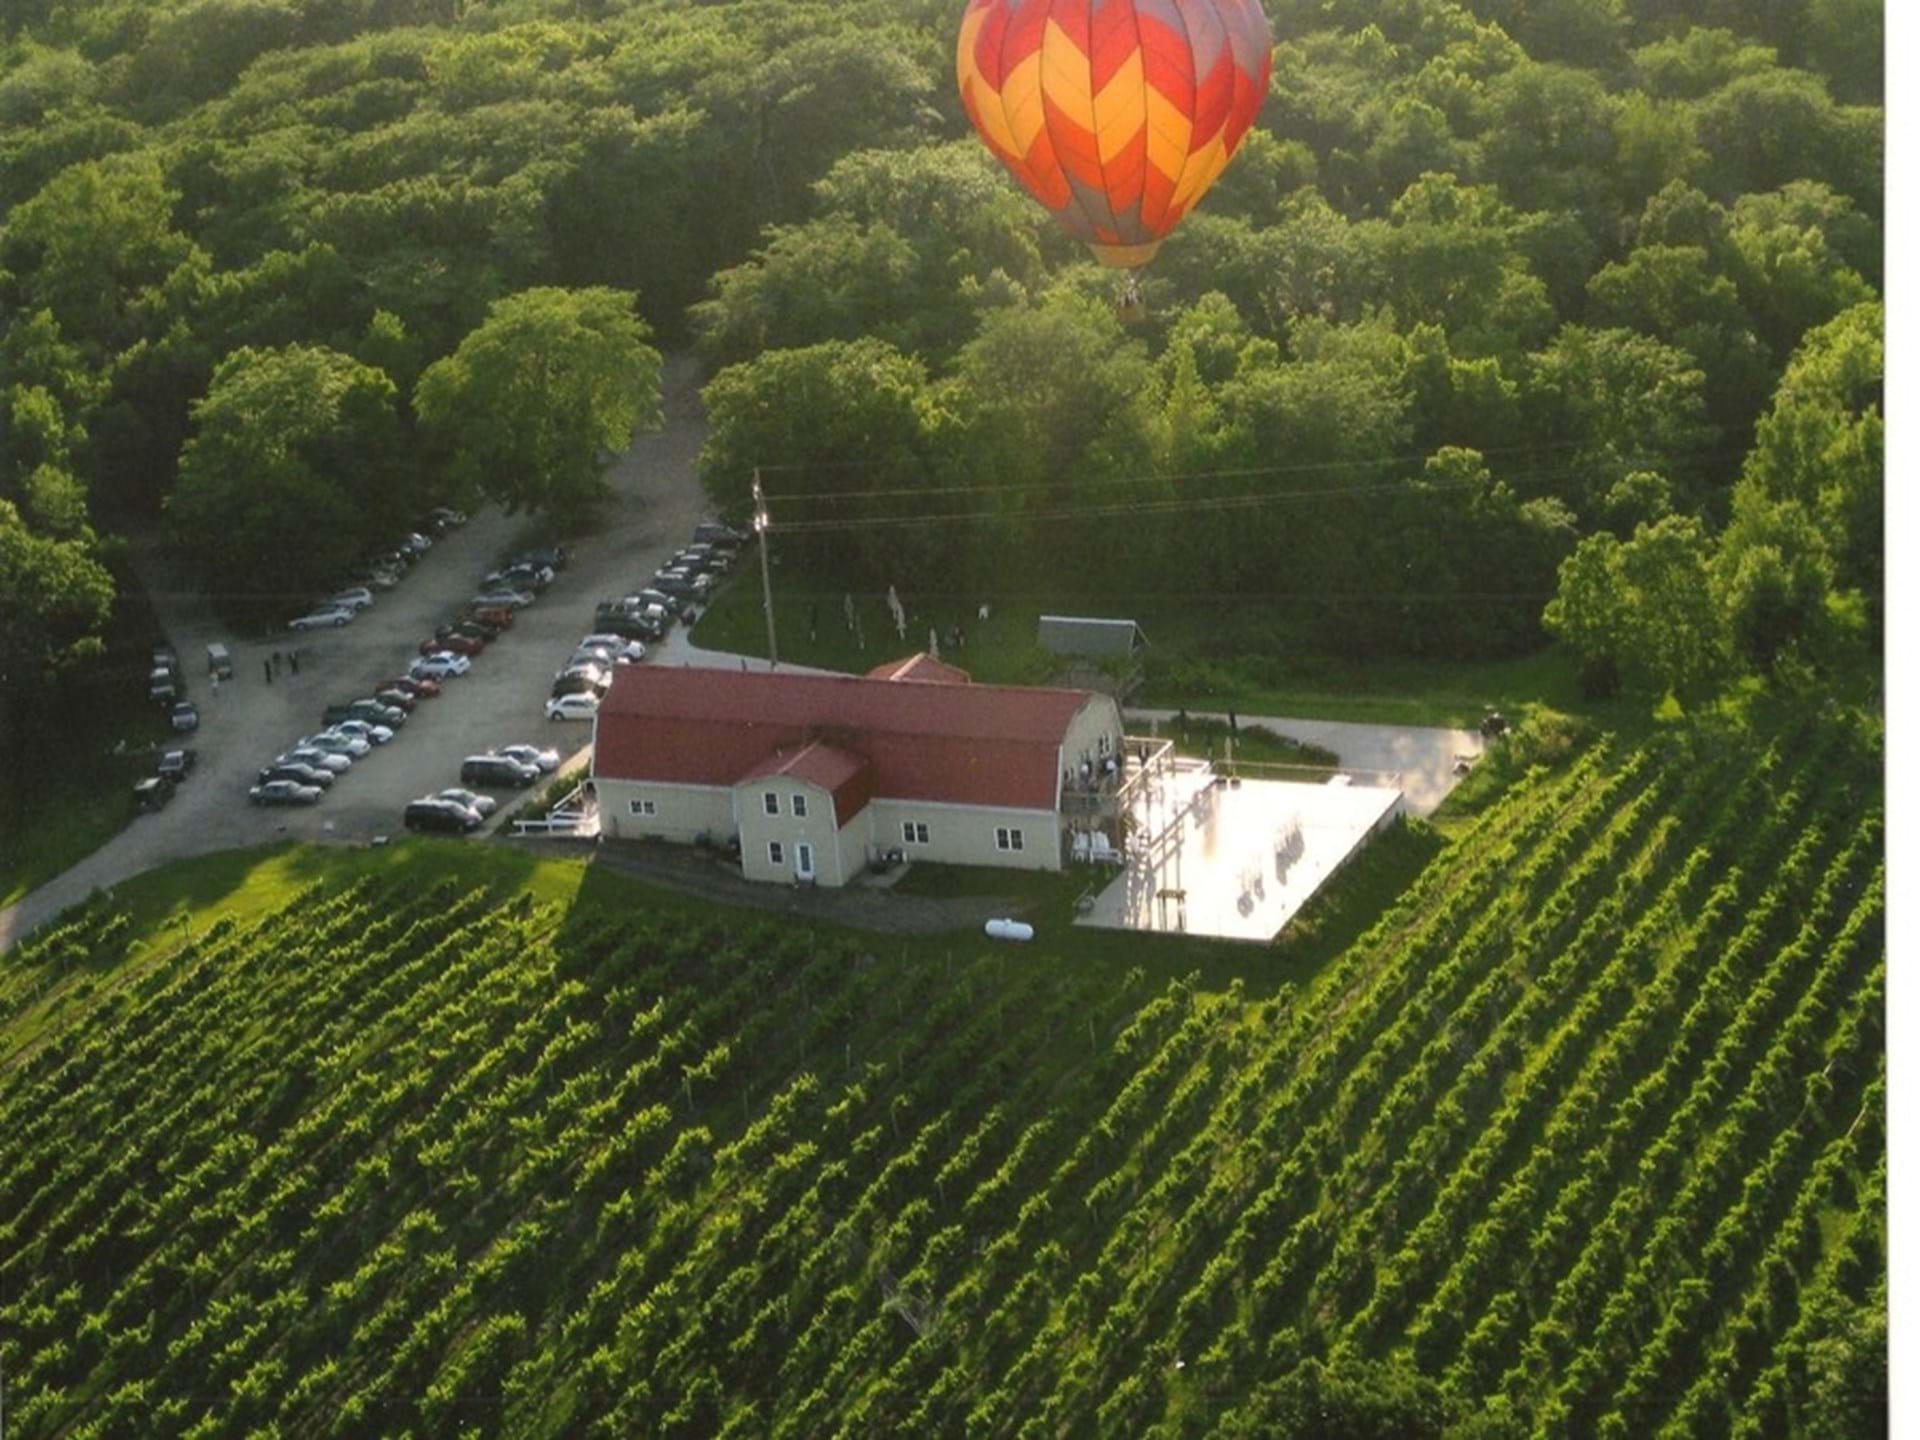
{"type": "Point", "coordinates": [1095, 724]}
{"type": "Point", "coordinates": [682, 813]}
{"type": "Point", "coordinates": [790, 831]}
{"type": "Point", "coordinates": [964, 834]}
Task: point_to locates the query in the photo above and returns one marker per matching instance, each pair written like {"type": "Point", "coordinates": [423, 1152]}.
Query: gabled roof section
{"type": "Point", "coordinates": [921, 667]}
{"type": "Point", "coordinates": [845, 776]}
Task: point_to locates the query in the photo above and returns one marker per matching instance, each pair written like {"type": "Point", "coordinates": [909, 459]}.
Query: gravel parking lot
{"type": "Point", "coordinates": [249, 720]}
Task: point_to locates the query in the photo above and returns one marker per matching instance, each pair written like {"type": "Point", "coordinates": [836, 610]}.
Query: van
{"type": "Point", "coordinates": [219, 662]}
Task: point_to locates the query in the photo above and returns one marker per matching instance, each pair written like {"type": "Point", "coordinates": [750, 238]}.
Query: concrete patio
{"type": "Point", "coordinates": [1207, 856]}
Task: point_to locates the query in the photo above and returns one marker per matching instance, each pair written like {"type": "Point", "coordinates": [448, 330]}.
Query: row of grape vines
{"type": "Point", "coordinates": [1587, 1129]}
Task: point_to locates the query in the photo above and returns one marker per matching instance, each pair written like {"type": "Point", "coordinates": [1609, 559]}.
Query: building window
{"type": "Point", "coordinates": [775, 855]}
{"type": "Point", "coordinates": [914, 832]}
{"type": "Point", "coordinates": [772, 802]}
{"type": "Point", "coordinates": [1006, 839]}
{"type": "Point", "coordinates": [1103, 744]}
{"type": "Point", "coordinates": [800, 806]}
{"type": "Point", "coordinates": [640, 807]}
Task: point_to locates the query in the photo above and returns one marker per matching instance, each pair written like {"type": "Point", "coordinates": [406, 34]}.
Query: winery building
{"type": "Point", "coordinates": [819, 775]}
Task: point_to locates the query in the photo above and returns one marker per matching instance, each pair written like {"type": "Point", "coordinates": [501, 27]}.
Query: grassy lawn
{"type": "Point", "coordinates": [1201, 654]}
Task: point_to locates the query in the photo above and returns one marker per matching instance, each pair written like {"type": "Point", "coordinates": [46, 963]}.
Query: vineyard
{"type": "Point", "coordinates": [1584, 1137]}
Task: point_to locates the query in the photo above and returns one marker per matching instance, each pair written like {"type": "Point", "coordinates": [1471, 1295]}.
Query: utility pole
{"type": "Point", "coordinates": [761, 525]}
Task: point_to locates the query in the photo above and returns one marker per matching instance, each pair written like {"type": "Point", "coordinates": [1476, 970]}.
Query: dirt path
{"type": "Point", "coordinates": [249, 720]}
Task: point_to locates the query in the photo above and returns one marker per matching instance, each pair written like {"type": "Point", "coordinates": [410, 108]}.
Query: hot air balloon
{"type": "Point", "coordinates": [1117, 115]}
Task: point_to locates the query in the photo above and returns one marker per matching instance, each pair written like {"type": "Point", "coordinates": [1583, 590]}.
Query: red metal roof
{"type": "Point", "coordinates": [921, 667]}
{"type": "Point", "coordinates": [956, 744]}
{"type": "Point", "coordinates": [846, 777]}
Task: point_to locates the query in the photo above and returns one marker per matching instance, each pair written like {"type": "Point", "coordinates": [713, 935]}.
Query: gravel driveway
{"type": "Point", "coordinates": [249, 720]}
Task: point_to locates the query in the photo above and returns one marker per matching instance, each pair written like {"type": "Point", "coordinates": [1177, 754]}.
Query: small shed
{"type": "Point", "coordinates": [1093, 638]}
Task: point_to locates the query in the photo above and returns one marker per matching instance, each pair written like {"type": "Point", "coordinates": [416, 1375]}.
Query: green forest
{"type": "Point", "coordinates": [1512, 321]}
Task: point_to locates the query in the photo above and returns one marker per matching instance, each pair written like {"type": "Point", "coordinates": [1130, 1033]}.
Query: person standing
{"type": "Point", "coordinates": [294, 660]}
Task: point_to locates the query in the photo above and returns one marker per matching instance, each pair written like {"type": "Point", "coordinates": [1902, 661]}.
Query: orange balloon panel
{"type": "Point", "coordinates": [1116, 114]}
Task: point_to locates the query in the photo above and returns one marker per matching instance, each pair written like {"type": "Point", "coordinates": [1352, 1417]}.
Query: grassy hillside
{"type": "Point", "coordinates": [1582, 1137]}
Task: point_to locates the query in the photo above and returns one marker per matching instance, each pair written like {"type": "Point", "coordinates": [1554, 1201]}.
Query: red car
{"type": "Point", "coordinates": [422, 689]}
{"type": "Point", "coordinates": [498, 616]}
{"type": "Point", "coordinates": [459, 644]}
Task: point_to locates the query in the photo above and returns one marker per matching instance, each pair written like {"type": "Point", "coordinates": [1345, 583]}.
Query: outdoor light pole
{"type": "Point", "coordinates": [761, 525]}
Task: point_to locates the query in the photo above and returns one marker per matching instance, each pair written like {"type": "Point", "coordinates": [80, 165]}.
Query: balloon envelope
{"type": "Point", "coordinates": [1117, 115]}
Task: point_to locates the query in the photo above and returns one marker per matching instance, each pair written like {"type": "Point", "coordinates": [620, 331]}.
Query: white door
{"type": "Point", "coordinates": [803, 861]}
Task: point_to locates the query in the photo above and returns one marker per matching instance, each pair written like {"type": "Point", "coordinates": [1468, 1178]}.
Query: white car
{"type": "Point", "coordinates": [339, 743]}
{"type": "Point", "coordinates": [547, 760]}
{"type": "Point", "coordinates": [355, 598]}
{"type": "Point", "coordinates": [365, 729]}
{"type": "Point", "coordinates": [439, 665]}
{"type": "Point", "coordinates": [574, 707]}
{"type": "Point", "coordinates": [313, 755]}
{"type": "Point", "coordinates": [284, 792]}
{"type": "Point", "coordinates": [482, 805]}
{"type": "Point", "coordinates": [511, 599]}
{"type": "Point", "coordinates": [449, 515]}
{"type": "Point", "coordinates": [332, 616]}
{"type": "Point", "coordinates": [608, 652]}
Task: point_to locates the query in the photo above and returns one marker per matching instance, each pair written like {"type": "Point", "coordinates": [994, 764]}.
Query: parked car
{"type": "Point", "coordinates": [576, 685]}
{"type": "Point", "coordinates": [677, 606]}
{"type": "Point", "coordinates": [367, 730]}
{"type": "Point", "coordinates": [355, 598]}
{"type": "Point", "coordinates": [331, 617]}
{"type": "Point", "coordinates": [548, 759]}
{"type": "Point", "coordinates": [608, 652]}
{"type": "Point", "coordinates": [415, 543]}
{"type": "Point", "coordinates": [711, 532]}
{"type": "Point", "coordinates": [482, 805]}
{"type": "Point", "coordinates": [165, 658]}
{"type": "Point", "coordinates": [553, 557]}
{"type": "Point", "coordinates": [153, 793]}
{"type": "Point", "coordinates": [458, 644]}
{"type": "Point", "coordinates": [472, 629]}
{"type": "Point", "coordinates": [184, 716]}
{"type": "Point", "coordinates": [402, 700]}
{"type": "Point", "coordinates": [515, 599]}
{"type": "Point", "coordinates": [630, 624]}
{"type": "Point", "coordinates": [163, 685]}
{"type": "Point", "coordinates": [284, 792]}
{"type": "Point", "coordinates": [439, 665]}
{"type": "Point", "coordinates": [369, 710]}
{"type": "Point", "coordinates": [583, 706]}
{"type": "Point", "coordinates": [520, 577]}
{"type": "Point", "coordinates": [339, 743]}
{"type": "Point", "coordinates": [432, 814]}
{"type": "Point", "coordinates": [313, 755]}
{"type": "Point", "coordinates": [376, 577]}
{"type": "Point", "coordinates": [497, 770]}
{"type": "Point", "coordinates": [176, 765]}
{"type": "Point", "coordinates": [414, 685]}
{"type": "Point", "coordinates": [448, 515]}
{"type": "Point", "coordinates": [501, 617]}
{"type": "Point", "coordinates": [298, 773]}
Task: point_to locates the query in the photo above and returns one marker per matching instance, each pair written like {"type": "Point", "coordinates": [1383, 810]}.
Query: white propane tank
{"type": "Point", "coordinates": [1009, 930]}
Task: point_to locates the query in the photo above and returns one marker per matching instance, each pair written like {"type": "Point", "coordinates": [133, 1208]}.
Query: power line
{"type": "Point", "coordinates": [1248, 472]}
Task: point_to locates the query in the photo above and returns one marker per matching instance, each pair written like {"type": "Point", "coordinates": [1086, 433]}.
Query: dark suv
{"type": "Point", "coordinates": [497, 770]}
{"type": "Point", "coordinates": [443, 816]}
